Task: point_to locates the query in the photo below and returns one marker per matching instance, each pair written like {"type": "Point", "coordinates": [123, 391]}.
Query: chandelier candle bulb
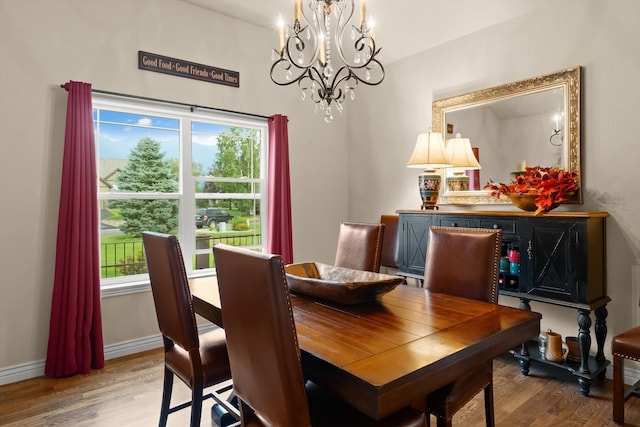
{"type": "Point", "coordinates": [322, 49]}
{"type": "Point", "coordinates": [297, 5]}
{"type": "Point", "coordinates": [281, 32]}
{"type": "Point", "coordinates": [522, 166]}
{"type": "Point", "coordinates": [363, 12]}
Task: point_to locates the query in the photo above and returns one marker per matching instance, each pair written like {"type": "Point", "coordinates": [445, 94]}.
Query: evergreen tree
{"type": "Point", "coordinates": [147, 171]}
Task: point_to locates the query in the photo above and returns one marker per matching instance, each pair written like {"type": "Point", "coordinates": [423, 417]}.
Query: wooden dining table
{"type": "Point", "coordinates": [383, 355]}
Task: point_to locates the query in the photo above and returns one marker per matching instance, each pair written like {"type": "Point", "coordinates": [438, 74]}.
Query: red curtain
{"type": "Point", "coordinates": [75, 328]}
{"type": "Point", "coordinates": [279, 230]}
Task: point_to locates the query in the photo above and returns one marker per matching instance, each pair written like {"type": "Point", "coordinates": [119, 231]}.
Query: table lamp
{"type": "Point", "coordinates": [460, 154]}
{"type": "Point", "coordinates": [429, 154]}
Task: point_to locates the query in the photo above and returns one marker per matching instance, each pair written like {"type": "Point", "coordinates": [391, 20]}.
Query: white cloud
{"type": "Point", "coordinates": [145, 121]}
{"type": "Point", "coordinates": [205, 139]}
{"type": "Point", "coordinates": [110, 137]}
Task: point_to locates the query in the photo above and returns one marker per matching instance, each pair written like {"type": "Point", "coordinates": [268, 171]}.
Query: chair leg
{"type": "Point", "coordinates": [166, 397]}
{"type": "Point", "coordinates": [246, 413]}
{"type": "Point", "coordinates": [444, 421]}
{"type": "Point", "coordinates": [196, 404]}
{"type": "Point", "coordinates": [488, 405]}
{"type": "Point", "coordinates": [618, 390]}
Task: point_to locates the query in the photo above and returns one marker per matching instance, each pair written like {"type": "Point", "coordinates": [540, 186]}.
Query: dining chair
{"type": "Point", "coordinates": [264, 353]}
{"type": "Point", "coordinates": [200, 361]}
{"type": "Point", "coordinates": [463, 262]}
{"type": "Point", "coordinates": [390, 242]}
{"type": "Point", "coordinates": [360, 246]}
{"type": "Point", "coordinates": [625, 345]}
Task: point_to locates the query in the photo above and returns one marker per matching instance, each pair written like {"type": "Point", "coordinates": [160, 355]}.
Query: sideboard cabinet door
{"type": "Point", "coordinates": [565, 260]}
{"type": "Point", "coordinates": [414, 237]}
{"type": "Point", "coordinates": [556, 263]}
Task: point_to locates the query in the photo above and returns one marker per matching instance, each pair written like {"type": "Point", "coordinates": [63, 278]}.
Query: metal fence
{"type": "Point", "coordinates": [127, 258]}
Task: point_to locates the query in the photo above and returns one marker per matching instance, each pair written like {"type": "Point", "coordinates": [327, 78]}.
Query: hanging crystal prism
{"type": "Point", "coordinates": [328, 117]}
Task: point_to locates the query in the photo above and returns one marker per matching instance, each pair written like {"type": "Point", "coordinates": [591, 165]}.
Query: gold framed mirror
{"type": "Point", "coordinates": [533, 122]}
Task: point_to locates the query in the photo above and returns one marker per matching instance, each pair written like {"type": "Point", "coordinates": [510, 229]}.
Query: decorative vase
{"type": "Point", "coordinates": [429, 185]}
{"type": "Point", "coordinates": [527, 202]}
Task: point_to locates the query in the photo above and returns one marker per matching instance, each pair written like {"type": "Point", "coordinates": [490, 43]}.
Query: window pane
{"type": "Point", "coordinates": [230, 221]}
{"type": "Point", "coordinates": [137, 153]}
{"type": "Point", "coordinates": [122, 222]}
{"type": "Point", "coordinates": [224, 151]}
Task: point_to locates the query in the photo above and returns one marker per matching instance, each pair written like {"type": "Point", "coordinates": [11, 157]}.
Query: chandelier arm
{"type": "Point", "coordinates": [362, 43]}
{"type": "Point", "coordinates": [341, 77]}
{"type": "Point", "coordinates": [314, 78]}
{"type": "Point", "coordinates": [376, 82]}
{"type": "Point", "coordinates": [340, 33]}
{"type": "Point", "coordinates": [343, 24]}
{"type": "Point", "coordinates": [299, 46]}
{"type": "Point", "coordinates": [286, 68]}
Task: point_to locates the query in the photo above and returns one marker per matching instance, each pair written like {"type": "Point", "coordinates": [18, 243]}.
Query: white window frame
{"type": "Point", "coordinates": [186, 194]}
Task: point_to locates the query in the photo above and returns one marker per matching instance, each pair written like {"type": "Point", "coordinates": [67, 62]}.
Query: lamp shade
{"type": "Point", "coordinates": [429, 152]}
{"type": "Point", "coordinates": [460, 154]}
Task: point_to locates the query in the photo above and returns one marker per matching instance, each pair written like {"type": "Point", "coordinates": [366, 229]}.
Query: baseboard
{"type": "Point", "coordinates": [25, 371]}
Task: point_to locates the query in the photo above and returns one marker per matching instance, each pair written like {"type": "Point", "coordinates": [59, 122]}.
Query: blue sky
{"type": "Point", "coordinates": [118, 133]}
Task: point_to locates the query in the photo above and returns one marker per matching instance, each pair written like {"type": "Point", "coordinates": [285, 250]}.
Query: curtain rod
{"type": "Point", "coordinates": [191, 106]}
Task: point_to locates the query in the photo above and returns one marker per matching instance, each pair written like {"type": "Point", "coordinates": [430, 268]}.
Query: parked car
{"type": "Point", "coordinates": [211, 216]}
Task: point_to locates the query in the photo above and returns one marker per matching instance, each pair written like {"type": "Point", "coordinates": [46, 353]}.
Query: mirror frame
{"type": "Point", "coordinates": [568, 79]}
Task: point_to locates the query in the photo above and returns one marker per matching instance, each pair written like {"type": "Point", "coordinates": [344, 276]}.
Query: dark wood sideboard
{"type": "Point", "coordinates": [562, 261]}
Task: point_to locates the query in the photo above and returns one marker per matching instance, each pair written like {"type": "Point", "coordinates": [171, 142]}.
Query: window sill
{"type": "Point", "coordinates": [118, 289]}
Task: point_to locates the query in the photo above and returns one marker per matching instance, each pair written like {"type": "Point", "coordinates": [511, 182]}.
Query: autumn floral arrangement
{"type": "Point", "coordinates": [548, 186]}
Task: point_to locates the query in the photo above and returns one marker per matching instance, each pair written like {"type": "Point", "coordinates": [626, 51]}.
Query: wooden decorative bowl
{"type": "Point", "coordinates": [338, 284]}
{"type": "Point", "coordinates": [527, 202]}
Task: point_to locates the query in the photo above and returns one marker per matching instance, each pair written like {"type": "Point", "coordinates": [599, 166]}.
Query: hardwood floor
{"type": "Point", "coordinates": [127, 393]}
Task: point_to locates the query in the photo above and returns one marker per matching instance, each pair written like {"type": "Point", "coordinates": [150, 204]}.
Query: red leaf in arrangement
{"type": "Point", "coordinates": [552, 185]}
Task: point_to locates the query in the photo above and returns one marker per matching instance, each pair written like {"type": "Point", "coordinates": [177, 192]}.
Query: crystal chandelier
{"type": "Point", "coordinates": [327, 63]}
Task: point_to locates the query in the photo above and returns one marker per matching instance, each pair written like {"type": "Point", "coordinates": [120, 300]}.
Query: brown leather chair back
{"type": "Point", "coordinates": [463, 262]}
{"type": "Point", "coordinates": [360, 246]}
{"type": "Point", "coordinates": [390, 245]}
{"type": "Point", "coordinates": [170, 289]}
{"type": "Point", "coordinates": [261, 336]}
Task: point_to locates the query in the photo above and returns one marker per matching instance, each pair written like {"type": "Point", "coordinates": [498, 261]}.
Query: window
{"type": "Point", "coordinates": [193, 172]}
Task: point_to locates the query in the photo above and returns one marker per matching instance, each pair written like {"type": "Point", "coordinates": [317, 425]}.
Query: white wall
{"type": "Point", "coordinates": [45, 43]}
{"type": "Point", "coordinates": [601, 36]}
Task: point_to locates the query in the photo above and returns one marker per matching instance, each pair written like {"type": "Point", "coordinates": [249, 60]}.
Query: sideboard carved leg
{"type": "Point", "coordinates": [584, 340]}
{"type": "Point", "coordinates": [524, 361]}
{"type": "Point", "coordinates": [601, 331]}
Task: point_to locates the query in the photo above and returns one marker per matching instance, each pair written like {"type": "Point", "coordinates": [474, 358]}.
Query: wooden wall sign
{"type": "Point", "coordinates": [191, 70]}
